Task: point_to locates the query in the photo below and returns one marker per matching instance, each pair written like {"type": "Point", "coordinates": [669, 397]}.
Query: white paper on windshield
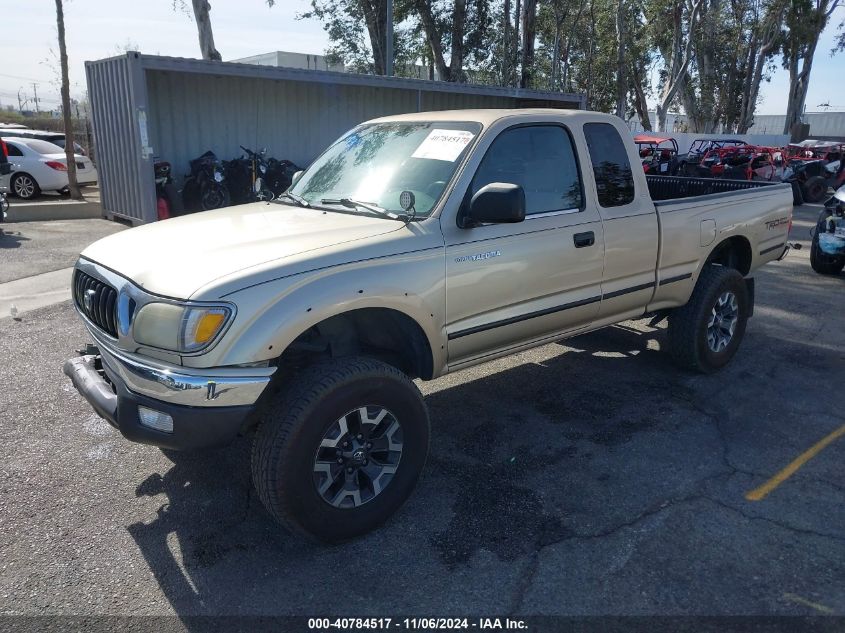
{"type": "Point", "coordinates": [443, 144]}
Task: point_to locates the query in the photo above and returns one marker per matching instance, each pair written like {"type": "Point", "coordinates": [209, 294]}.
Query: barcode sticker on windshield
{"type": "Point", "coordinates": [443, 144]}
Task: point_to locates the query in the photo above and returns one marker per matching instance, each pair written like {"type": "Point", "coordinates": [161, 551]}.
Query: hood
{"type": "Point", "coordinates": [176, 257]}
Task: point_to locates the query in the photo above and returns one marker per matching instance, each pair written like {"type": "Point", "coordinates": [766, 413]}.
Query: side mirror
{"type": "Point", "coordinates": [296, 176]}
{"type": "Point", "coordinates": [496, 203]}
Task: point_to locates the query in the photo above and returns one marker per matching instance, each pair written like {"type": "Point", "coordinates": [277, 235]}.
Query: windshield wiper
{"type": "Point", "coordinates": [353, 204]}
{"type": "Point", "coordinates": [299, 200]}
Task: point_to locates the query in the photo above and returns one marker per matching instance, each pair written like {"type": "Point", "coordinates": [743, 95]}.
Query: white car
{"type": "Point", "coordinates": [41, 166]}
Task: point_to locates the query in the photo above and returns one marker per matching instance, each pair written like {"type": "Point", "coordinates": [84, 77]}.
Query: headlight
{"type": "Point", "coordinates": [179, 328]}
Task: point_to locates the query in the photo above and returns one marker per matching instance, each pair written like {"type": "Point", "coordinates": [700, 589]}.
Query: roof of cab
{"type": "Point", "coordinates": [487, 117]}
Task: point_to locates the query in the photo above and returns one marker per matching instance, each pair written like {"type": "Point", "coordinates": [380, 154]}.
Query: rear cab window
{"type": "Point", "coordinates": [611, 167]}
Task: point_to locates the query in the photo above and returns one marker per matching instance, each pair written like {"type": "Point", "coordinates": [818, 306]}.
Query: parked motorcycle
{"type": "Point", "coordinates": [280, 175]}
{"type": "Point", "coordinates": [168, 200]}
{"type": "Point", "coordinates": [245, 177]}
{"type": "Point", "coordinates": [205, 187]}
{"type": "Point", "coordinates": [827, 251]}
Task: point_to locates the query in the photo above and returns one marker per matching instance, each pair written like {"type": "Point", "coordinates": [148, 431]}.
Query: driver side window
{"type": "Point", "coordinates": [539, 158]}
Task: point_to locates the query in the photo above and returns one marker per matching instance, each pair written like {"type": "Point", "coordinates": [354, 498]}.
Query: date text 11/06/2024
{"type": "Point", "coordinates": [320, 624]}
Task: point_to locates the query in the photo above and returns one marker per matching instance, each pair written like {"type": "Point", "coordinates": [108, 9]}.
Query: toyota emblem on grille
{"type": "Point", "coordinates": [88, 299]}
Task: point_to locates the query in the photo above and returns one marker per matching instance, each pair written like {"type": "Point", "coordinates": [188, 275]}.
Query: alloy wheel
{"type": "Point", "coordinates": [24, 187]}
{"type": "Point", "coordinates": [723, 320]}
{"type": "Point", "coordinates": [358, 456]}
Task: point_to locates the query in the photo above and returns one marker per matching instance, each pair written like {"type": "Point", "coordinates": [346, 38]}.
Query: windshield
{"type": "Point", "coordinates": [375, 163]}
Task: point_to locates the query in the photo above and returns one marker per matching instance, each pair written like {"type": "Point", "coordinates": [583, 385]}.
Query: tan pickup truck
{"type": "Point", "coordinates": [414, 246]}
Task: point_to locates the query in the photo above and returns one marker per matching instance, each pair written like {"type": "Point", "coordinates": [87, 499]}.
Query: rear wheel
{"type": "Point", "coordinates": [705, 333]}
{"type": "Point", "coordinates": [823, 263]}
{"type": "Point", "coordinates": [24, 186]}
{"type": "Point", "coordinates": [815, 189]}
{"type": "Point", "coordinates": [341, 449]}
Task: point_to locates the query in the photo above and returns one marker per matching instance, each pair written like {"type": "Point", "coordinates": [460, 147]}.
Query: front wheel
{"type": "Point", "coordinates": [341, 449]}
{"type": "Point", "coordinates": [705, 333]}
{"type": "Point", "coordinates": [214, 196]}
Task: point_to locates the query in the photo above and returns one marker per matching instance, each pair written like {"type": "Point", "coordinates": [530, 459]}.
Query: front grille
{"type": "Point", "coordinates": [96, 300]}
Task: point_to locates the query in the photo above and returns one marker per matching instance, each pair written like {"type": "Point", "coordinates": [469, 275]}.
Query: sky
{"type": "Point", "coordinates": [103, 28]}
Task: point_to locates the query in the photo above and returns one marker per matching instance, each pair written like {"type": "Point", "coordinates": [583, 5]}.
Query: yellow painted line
{"type": "Point", "coordinates": [807, 603]}
{"type": "Point", "coordinates": [759, 493]}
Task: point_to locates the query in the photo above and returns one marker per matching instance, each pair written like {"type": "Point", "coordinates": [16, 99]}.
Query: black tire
{"type": "Point", "coordinates": [815, 189]}
{"type": "Point", "coordinates": [214, 196]}
{"type": "Point", "coordinates": [689, 342]}
{"type": "Point", "coordinates": [25, 186]}
{"type": "Point", "coordinates": [823, 263]}
{"type": "Point", "coordinates": [288, 449]}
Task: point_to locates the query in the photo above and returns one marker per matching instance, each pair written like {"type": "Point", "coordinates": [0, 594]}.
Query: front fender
{"type": "Point", "coordinates": [271, 315]}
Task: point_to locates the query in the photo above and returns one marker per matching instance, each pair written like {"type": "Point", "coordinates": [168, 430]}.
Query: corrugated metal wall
{"type": "Point", "coordinates": [127, 188]}
{"type": "Point", "coordinates": [192, 113]}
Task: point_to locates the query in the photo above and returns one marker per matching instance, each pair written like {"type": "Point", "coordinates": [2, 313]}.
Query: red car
{"type": "Point", "coordinates": [659, 154]}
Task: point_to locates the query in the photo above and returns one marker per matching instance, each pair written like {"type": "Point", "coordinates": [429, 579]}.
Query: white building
{"type": "Point", "coordinates": [307, 61]}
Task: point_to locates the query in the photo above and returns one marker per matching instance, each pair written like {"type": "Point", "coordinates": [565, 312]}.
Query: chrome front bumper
{"type": "Point", "coordinates": [220, 387]}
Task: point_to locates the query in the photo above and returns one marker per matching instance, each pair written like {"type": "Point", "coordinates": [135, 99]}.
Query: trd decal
{"type": "Point", "coordinates": [771, 225]}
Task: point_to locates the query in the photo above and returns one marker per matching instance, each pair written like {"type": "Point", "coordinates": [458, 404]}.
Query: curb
{"type": "Point", "coordinates": [70, 210]}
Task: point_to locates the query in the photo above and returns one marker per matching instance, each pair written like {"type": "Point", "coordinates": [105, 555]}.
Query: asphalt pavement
{"type": "Point", "coordinates": [583, 478]}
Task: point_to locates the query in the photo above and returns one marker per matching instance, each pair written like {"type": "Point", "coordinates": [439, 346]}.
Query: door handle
{"type": "Point", "coordinates": [584, 239]}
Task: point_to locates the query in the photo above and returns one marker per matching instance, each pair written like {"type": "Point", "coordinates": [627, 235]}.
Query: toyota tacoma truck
{"type": "Point", "coordinates": [414, 246]}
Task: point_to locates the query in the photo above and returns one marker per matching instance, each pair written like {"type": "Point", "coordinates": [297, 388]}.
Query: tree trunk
{"type": "Point", "coordinates": [514, 55]}
{"type": "Point", "coordinates": [640, 101]}
{"type": "Point", "coordinates": [565, 82]}
{"type": "Point", "coordinates": [73, 185]}
{"type": "Point", "coordinates": [621, 80]}
{"type": "Point", "coordinates": [799, 81]}
{"type": "Point", "coordinates": [201, 14]}
{"type": "Point", "coordinates": [459, 18]}
{"type": "Point", "coordinates": [678, 62]}
{"type": "Point", "coordinates": [798, 84]}
{"type": "Point", "coordinates": [375, 17]}
{"type": "Point", "coordinates": [506, 43]}
{"type": "Point", "coordinates": [529, 33]}
{"type": "Point", "coordinates": [435, 41]}
{"type": "Point", "coordinates": [555, 54]}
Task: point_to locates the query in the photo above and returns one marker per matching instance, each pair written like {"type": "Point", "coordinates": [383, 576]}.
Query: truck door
{"type": "Point", "coordinates": [510, 284]}
{"type": "Point", "coordinates": [630, 225]}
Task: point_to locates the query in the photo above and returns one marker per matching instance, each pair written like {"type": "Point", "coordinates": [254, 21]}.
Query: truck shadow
{"type": "Point", "coordinates": [517, 460]}
{"type": "Point", "coordinates": [211, 539]}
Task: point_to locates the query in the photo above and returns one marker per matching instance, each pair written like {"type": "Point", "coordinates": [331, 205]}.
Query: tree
{"type": "Point", "coordinates": [357, 30]}
{"type": "Point", "coordinates": [70, 158]}
{"type": "Point", "coordinates": [676, 51]}
{"type": "Point", "coordinates": [202, 15]}
{"type": "Point", "coordinates": [464, 29]}
{"type": "Point", "coordinates": [764, 43]}
{"type": "Point", "coordinates": [202, 10]}
{"type": "Point", "coordinates": [805, 21]}
{"type": "Point", "coordinates": [529, 34]}
{"type": "Point", "coordinates": [621, 74]}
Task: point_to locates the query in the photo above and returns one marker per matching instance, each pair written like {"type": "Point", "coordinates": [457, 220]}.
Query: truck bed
{"type": "Point", "coordinates": [679, 187]}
